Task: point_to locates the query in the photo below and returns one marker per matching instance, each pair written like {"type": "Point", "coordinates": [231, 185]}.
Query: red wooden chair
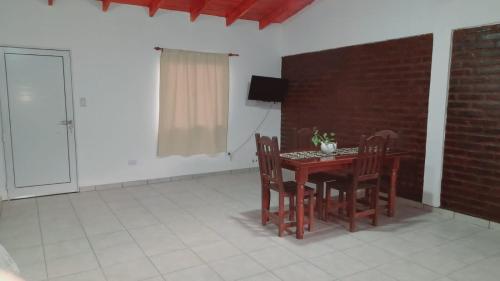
{"type": "Point", "coordinates": [385, 185]}
{"type": "Point", "coordinates": [272, 179]}
{"type": "Point", "coordinates": [366, 175]}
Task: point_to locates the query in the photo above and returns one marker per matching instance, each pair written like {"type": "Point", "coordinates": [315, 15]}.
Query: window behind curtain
{"type": "Point", "coordinates": [194, 93]}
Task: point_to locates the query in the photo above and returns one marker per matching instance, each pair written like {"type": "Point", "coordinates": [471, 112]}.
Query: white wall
{"type": "Point", "coordinates": [328, 24]}
{"type": "Point", "coordinates": [115, 67]}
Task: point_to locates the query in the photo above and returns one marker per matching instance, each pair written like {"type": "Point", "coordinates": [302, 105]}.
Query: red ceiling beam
{"type": "Point", "coordinates": [285, 11]}
{"type": "Point", "coordinates": [51, 2]}
{"type": "Point", "coordinates": [105, 5]}
{"type": "Point", "coordinates": [153, 7]}
{"type": "Point", "coordinates": [240, 10]}
{"type": "Point", "coordinates": [196, 7]}
{"type": "Point", "coordinates": [274, 15]}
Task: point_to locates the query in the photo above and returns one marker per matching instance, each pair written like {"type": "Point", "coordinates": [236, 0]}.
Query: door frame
{"type": "Point", "coordinates": [41, 190]}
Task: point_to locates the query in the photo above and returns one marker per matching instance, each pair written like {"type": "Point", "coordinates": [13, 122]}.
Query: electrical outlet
{"type": "Point", "coordinates": [132, 162]}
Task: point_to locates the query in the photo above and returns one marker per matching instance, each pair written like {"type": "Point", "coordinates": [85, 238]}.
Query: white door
{"type": "Point", "coordinates": [37, 122]}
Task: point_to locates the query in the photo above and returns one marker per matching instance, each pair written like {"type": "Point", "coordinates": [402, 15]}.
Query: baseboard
{"type": "Point", "coordinates": [162, 180]}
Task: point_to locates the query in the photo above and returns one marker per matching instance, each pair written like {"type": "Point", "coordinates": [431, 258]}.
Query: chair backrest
{"type": "Point", "coordinates": [269, 162]}
{"type": "Point", "coordinates": [391, 136]}
{"type": "Point", "coordinates": [371, 153]}
{"type": "Point", "coordinates": [301, 139]}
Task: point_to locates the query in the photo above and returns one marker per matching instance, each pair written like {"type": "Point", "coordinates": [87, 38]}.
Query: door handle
{"type": "Point", "coordinates": [66, 122]}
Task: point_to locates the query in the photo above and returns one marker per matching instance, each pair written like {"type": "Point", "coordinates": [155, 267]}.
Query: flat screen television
{"type": "Point", "coordinates": [268, 89]}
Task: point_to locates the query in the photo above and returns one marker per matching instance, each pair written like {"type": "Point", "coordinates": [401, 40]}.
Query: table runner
{"type": "Point", "coordinates": [319, 154]}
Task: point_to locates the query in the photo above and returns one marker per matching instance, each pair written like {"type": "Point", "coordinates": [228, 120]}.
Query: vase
{"type": "Point", "coordinates": [328, 148]}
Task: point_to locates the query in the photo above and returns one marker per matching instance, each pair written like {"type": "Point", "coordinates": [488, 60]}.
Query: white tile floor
{"type": "Point", "coordinates": [208, 228]}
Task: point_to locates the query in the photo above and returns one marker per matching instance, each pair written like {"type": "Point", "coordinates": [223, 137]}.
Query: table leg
{"type": "Point", "coordinates": [300, 179]}
{"type": "Point", "coordinates": [391, 210]}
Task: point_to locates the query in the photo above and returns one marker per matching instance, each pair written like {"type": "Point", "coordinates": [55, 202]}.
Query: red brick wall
{"type": "Point", "coordinates": [362, 89]}
{"type": "Point", "coordinates": [471, 175]}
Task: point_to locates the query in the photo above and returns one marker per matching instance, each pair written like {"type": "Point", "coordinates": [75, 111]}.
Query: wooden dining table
{"type": "Point", "coordinates": [303, 167]}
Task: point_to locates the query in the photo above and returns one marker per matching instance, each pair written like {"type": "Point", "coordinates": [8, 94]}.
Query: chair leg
{"type": "Point", "coordinates": [320, 187]}
{"type": "Point", "coordinates": [375, 195]}
{"type": "Point", "coordinates": [391, 201]}
{"type": "Point", "coordinates": [311, 213]}
{"type": "Point", "coordinates": [281, 214]}
{"type": "Point", "coordinates": [266, 201]}
{"type": "Point", "coordinates": [326, 206]}
{"type": "Point", "coordinates": [341, 202]}
{"type": "Point", "coordinates": [352, 210]}
{"type": "Point", "coordinates": [292, 207]}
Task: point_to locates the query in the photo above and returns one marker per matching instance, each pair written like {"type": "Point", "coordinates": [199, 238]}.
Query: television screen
{"type": "Point", "coordinates": [268, 89]}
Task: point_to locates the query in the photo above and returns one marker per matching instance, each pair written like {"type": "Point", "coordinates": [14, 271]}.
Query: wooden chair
{"type": "Point", "coordinates": [366, 175]}
{"type": "Point", "coordinates": [385, 186]}
{"type": "Point", "coordinates": [302, 141]}
{"type": "Point", "coordinates": [272, 179]}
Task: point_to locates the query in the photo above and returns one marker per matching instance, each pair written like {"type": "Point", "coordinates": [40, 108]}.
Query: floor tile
{"type": "Point", "coordinates": [92, 275]}
{"type": "Point", "coordinates": [28, 256]}
{"type": "Point", "coordinates": [341, 240]}
{"type": "Point", "coordinates": [197, 273]}
{"type": "Point", "coordinates": [485, 243]}
{"type": "Point", "coordinates": [251, 243]}
{"type": "Point", "coordinates": [275, 257]}
{"type": "Point", "coordinates": [156, 239]}
{"type": "Point", "coordinates": [339, 264]}
{"type": "Point", "coordinates": [369, 275]}
{"type": "Point", "coordinates": [370, 255]}
{"type": "Point", "coordinates": [119, 254]}
{"type": "Point", "coordinates": [67, 248]}
{"type": "Point", "coordinates": [200, 237]}
{"type": "Point", "coordinates": [136, 217]}
{"type": "Point", "coordinates": [216, 251]}
{"type": "Point", "coordinates": [158, 278]}
{"type": "Point", "coordinates": [399, 246]}
{"type": "Point", "coordinates": [61, 233]}
{"type": "Point", "coordinates": [437, 261]}
{"type": "Point", "coordinates": [454, 229]}
{"type": "Point", "coordinates": [305, 248]}
{"type": "Point", "coordinates": [136, 270]}
{"type": "Point", "coordinates": [34, 272]}
{"type": "Point", "coordinates": [237, 267]}
{"type": "Point", "coordinates": [486, 270]}
{"type": "Point", "coordinates": [266, 276]}
{"type": "Point", "coordinates": [174, 261]}
{"type": "Point", "coordinates": [301, 271]}
{"type": "Point", "coordinates": [408, 271]}
{"type": "Point", "coordinates": [424, 237]}
{"type": "Point", "coordinates": [71, 264]}
{"type": "Point", "coordinates": [107, 240]}
{"type": "Point", "coordinates": [100, 226]}
{"type": "Point", "coordinates": [22, 240]}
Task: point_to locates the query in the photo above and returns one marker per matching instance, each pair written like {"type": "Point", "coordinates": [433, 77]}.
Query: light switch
{"type": "Point", "coordinates": [83, 102]}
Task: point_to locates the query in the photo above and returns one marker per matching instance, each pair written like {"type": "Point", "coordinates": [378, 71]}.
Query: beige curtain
{"type": "Point", "coordinates": [194, 93]}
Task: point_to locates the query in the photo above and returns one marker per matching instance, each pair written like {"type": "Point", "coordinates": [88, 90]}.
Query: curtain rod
{"type": "Point", "coordinates": [230, 54]}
